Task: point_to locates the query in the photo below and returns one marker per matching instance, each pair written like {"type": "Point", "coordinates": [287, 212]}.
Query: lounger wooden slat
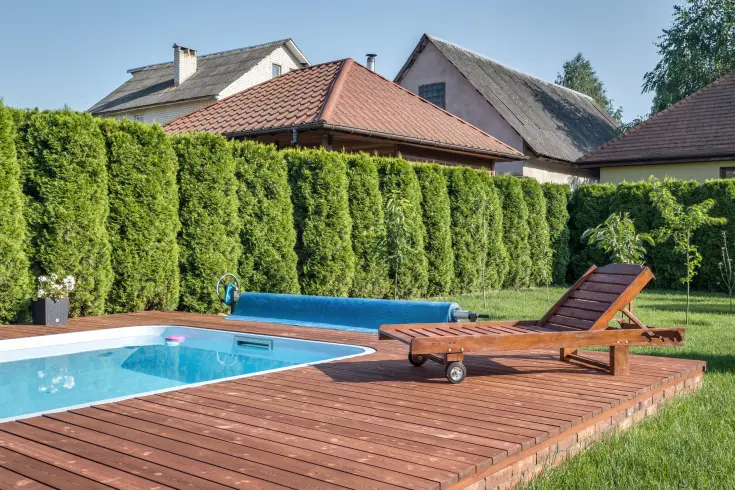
{"type": "Point", "coordinates": [581, 318]}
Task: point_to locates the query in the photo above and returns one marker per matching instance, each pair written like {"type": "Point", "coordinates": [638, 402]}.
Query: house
{"type": "Point", "coordinates": [551, 124]}
{"type": "Point", "coordinates": [343, 105]}
{"type": "Point", "coordinates": [165, 91]}
{"type": "Point", "coordinates": [693, 139]}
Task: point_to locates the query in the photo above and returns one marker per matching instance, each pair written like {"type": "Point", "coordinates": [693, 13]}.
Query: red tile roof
{"type": "Point", "coordinates": [342, 96]}
{"type": "Point", "coordinates": [698, 128]}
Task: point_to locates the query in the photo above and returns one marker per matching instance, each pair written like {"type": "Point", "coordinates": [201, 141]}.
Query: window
{"type": "Point", "coordinates": [727, 172]}
{"type": "Point", "coordinates": [138, 117]}
{"type": "Point", "coordinates": [434, 93]}
{"type": "Point", "coordinates": [275, 70]}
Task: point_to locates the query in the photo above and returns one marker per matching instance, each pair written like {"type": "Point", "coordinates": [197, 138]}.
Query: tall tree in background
{"type": "Point", "coordinates": [578, 74]}
{"type": "Point", "coordinates": [697, 49]}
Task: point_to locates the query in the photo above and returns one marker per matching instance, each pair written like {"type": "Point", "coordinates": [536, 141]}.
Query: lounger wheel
{"type": "Point", "coordinates": [417, 360]}
{"type": "Point", "coordinates": [456, 372]}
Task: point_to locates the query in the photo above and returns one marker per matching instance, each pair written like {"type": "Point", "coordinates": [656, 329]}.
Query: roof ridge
{"type": "Point", "coordinates": [508, 67]}
{"type": "Point", "coordinates": [335, 89]}
{"type": "Point", "coordinates": [440, 109]}
{"type": "Point", "coordinates": [217, 53]}
{"type": "Point", "coordinates": [657, 116]}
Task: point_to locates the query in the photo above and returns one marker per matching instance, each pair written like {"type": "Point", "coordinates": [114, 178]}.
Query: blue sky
{"type": "Point", "coordinates": [76, 52]}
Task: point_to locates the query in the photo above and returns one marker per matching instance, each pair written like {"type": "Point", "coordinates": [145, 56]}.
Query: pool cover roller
{"type": "Point", "coordinates": [339, 313]}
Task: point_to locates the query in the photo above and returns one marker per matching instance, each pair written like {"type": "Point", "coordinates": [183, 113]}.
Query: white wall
{"type": "Point", "coordinates": [162, 114]}
{"type": "Point", "coordinates": [263, 71]}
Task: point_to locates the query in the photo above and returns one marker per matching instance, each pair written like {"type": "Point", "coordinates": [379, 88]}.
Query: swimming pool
{"type": "Point", "coordinates": [61, 372]}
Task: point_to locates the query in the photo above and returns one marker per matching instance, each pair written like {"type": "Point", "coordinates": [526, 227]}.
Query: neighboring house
{"type": "Point", "coordinates": [165, 91]}
{"type": "Point", "coordinates": [551, 124]}
{"type": "Point", "coordinates": [693, 139]}
{"type": "Point", "coordinates": [342, 105]}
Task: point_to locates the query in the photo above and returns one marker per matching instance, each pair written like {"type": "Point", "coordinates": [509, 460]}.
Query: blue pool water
{"type": "Point", "coordinates": [78, 372]}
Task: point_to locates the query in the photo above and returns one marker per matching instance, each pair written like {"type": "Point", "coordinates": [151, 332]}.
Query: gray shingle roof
{"type": "Point", "coordinates": [154, 84]}
{"type": "Point", "coordinates": [556, 122]}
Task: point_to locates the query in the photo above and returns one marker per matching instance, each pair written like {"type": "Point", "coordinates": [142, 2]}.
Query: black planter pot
{"type": "Point", "coordinates": [47, 311]}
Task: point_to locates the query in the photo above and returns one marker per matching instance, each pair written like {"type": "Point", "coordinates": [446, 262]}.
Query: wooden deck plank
{"type": "Point", "coordinates": [366, 422]}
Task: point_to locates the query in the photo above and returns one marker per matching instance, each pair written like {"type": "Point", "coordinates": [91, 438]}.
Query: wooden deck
{"type": "Point", "coordinates": [372, 422]}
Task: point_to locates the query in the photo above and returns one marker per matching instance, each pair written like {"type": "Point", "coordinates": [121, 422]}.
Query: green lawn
{"type": "Point", "coordinates": [688, 444]}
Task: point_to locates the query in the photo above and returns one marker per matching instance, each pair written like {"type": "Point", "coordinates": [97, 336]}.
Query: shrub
{"type": "Point", "coordinates": [557, 217]}
{"type": "Point", "coordinates": [68, 205]}
{"type": "Point", "coordinates": [14, 277]}
{"type": "Point", "coordinates": [268, 238]}
{"type": "Point", "coordinates": [496, 266]}
{"type": "Point", "coordinates": [368, 228]}
{"type": "Point", "coordinates": [438, 225]}
{"type": "Point", "coordinates": [468, 200]}
{"type": "Point", "coordinates": [515, 231]}
{"type": "Point", "coordinates": [709, 238]}
{"type": "Point", "coordinates": [143, 221]}
{"type": "Point", "coordinates": [588, 207]}
{"type": "Point", "coordinates": [538, 238]}
{"type": "Point", "coordinates": [208, 210]}
{"type": "Point", "coordinates": [398, 179]}
{"type": "Point", "coordinates": [326, 263]}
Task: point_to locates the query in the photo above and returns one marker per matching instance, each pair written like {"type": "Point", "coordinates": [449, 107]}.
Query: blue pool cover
{"type": "Point", "coordinates": [337, 313]}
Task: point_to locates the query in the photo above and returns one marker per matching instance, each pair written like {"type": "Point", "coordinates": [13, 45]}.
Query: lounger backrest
{"type": "Point", "coordinates": [598, 296]}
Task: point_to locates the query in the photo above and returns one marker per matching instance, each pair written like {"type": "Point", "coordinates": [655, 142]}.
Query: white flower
{"type": "Point", "coordinates": [54, 277]}
{"type": "Point", "coordinates": [69, 283]}
{"type": "Point", "coordinates": [41, 293]}
{"type": "Point", "coordinates": [42, 279]}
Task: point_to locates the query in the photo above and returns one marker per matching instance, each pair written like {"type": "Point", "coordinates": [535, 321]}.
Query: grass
{"type": "Point", "coordinates": [690, 443]}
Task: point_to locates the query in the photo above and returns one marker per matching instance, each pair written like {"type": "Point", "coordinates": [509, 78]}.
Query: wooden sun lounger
{"type": "Point", "coordinates": [581, 318]}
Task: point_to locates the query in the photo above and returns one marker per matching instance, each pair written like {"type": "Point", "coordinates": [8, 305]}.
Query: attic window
{"type": "Point", "coordinates": [434, 93]}
{"type": "Point", "coordinates": [275, 70]}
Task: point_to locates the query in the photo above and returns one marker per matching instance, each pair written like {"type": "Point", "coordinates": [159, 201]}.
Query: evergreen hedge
{"type": "Point", "coordinates": [468, 200]}
{"type": "Point", "coordinates": [368, 228]}
{"type": "Point", "coordinates": [68, 205]}
{"type": "Point", "coordinates": [144, 220]}
{"type": "Point", "coordinates": [496, 266]}
{"type": "Point", "coordinates": [208, 210]}
{"type": "Point", "coordinates": [539, 239]}
{"type": "Point", "coordinates": [437, 216]}
{"type": "Point", "coordinates": [397, 178]}
{"type": "Point", "coordinates": [15, 281]}
{"type": "Point", "coordinates": [588, 207]}
{"type": "Point", "coordinates": [268, 238]}
{"type": "Point", "coordinates": [515, 231]}
{"type": "Point", "coordinates": [557, 217]}
{"type": "Point", "coordinates": [326, 262]}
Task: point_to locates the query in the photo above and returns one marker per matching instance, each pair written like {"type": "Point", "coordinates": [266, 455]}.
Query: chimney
{"type": "Point", "coordinates": [371, 61]}
{"type": "Point", "coordinates": [185, 64]}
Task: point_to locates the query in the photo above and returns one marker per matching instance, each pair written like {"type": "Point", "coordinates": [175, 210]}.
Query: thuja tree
{"type": "Point", "coordinates": [468, 199]}
{"type": "Point", "coordinates": [68, 205]}
{"type": "Point", "coordinates": [326, 262]}
{"type": "Point", "coordinates": [680, 223]}
{"type": "Point", "coordinates": [398, 180]}
{"type": "Point", "coordinates": [438, 224]}
{"type": "Point", "coordinates": [496, 265]}
{"type": "Point", "coordinates": [368, 228]}
{"type": "Point", "coordinates": [144, 220]}
{"type": "Point", "coordinates": [557, 217]}
{"type": "Point", "coordinates": [515, 231]}
{"type": "Point", "coordinates": [539, 239]}
{"type": "Point", "coordinates": [210, 226]}
{"type": "Point", "coordinates": [14, 277]}
{"type": "Point", "coordinates": [268, 262]}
